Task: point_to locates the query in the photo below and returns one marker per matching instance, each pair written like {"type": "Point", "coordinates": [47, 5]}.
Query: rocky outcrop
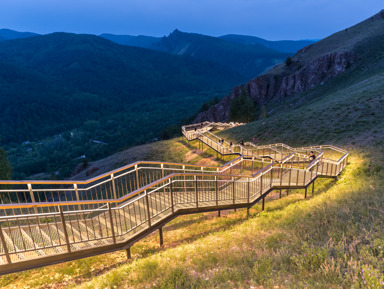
{"type": "Point", "coordinates": [295, 78]}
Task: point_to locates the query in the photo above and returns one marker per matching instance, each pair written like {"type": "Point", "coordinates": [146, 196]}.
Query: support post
{"type": "Point", "coordinates": [305, 196]}
{"type": "Point", "coordinates": [161, 236]}
{"type": "Point", "coordinates": [247, 212]}
{"type": "Point", "coordinates": [128, 251]}
{"type": "Point", "coordinates": [313, 187]}
{"type": "Point", "coordinates": [219, 213]}
{"type": "Point", "coordinates": [263, 204]}
{"type": "Point", "coordinates": [280, 193]}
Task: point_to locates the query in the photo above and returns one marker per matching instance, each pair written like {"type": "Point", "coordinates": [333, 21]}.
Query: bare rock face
{"type": "Point", "coordinates": [296, 78]}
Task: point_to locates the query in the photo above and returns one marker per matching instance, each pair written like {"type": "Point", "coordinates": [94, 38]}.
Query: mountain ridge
{"type": "Point", "coordinates": [311, 66]}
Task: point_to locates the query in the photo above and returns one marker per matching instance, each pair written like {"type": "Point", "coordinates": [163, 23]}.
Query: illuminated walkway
{"type": "Point", "coordinates": [48, 222]}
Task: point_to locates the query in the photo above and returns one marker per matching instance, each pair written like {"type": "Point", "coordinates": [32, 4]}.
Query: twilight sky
{"type": "Point", "coordinates": [269, 19]}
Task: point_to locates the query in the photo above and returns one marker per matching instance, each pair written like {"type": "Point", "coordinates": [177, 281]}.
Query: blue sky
{"type": "Point", "coordinates": [269, 19]}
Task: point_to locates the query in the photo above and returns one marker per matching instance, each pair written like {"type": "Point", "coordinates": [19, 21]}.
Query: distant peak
{"type": "Point", "coordinates": [176, 32]}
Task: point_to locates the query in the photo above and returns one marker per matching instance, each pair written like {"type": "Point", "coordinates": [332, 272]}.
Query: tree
{"type": "Point", "coordinates": [5, 168]}
{"type": "Point", "coordinates": [288, 61]}
{"type": "Point", "coordinates": [263, 112]}
{"type": "Point", "coordinates": [242, 108]}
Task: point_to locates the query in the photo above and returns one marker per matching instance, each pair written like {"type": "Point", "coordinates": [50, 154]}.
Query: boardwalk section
{"type": "Point", "coordinates": [47, 222]}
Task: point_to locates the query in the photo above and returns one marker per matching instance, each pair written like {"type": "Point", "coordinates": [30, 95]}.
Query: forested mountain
{"type": "Point", "coordinates": [289, 46]}
{"type": "Point", "coordinates": [117, 95]}
{"type": "Point", "coordinates": [249, 60]}
{"type": "Point", "coordinates": [7, 34]}
{"type": "Point", "coordinates": [139, 41]}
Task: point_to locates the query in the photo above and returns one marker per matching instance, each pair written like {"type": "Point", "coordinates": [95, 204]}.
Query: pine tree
{"type": "Point", "coordinates": [263, 112]}
{"type": "Point", "coordinates": [5, 168]}
{"type": "Point", "coordinates": [242, 108]}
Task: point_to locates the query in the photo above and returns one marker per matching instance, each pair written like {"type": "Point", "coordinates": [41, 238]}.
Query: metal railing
{"type": "Point", "coordinates": [45, 222]}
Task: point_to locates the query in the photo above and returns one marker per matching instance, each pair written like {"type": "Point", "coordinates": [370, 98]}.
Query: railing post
{"type": "Point", "coordinates": [185, 184]}
{"type": "Point", "coordinates": [171, 191]}
{"type": "Point", "coordinates": [261, 184]}
{"type": "Point", "coordinates": [248, 192]}
{"type": "Point", "coordinates": [290, 174]}
{"type": "Point", "coordinates": [77, 195]}
{"type": "Point", "coordinates": [4, 244]}
{"type": "Point", "coordinates": [64, 229]}
{"type": "Point", "coordinates": [148, 212]}
{"type": "Point", "coordinates": [326, 172]}
{"type": "Point", "coordinates": [281, 174]}
{"type": "Point", "coordinates": [196, 193]}
{"type": "Point", "coordinates": [311, 173]}
{"type": "Point", "coordinates": [233, 190]}
{"type": "Point", "coordinates": [297, 175]}
{"type": "Point", "coordinates": [317, 167]}
{"type": "Point", "coordinates": [111, 222]}
{"type": "Point", "coordinates": [217, 191]}
{"type": "Point", "coordinates": [113, 186]}
{"type": "Point", "coordinates": [137, 177]}
{"type": "Point", "coordinates": [305, 172]}
{"type": "Point", "coordinates": [32, 196]}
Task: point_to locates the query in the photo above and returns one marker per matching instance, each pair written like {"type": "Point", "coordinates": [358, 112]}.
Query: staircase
{"type": "Point", "coordinates": [48, 222]}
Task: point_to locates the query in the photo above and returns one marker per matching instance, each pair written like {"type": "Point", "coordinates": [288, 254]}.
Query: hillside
{"type": "Point", "coordinates": [65, 79]}
{"type": "Point", "coordinates": [351, 49]}
{"type": "Point", "coordinates": [7, 34]}
{"type": "Point", "coordinates": [249, 60]}
{"type": "Point", "coordinates": [289, 46]}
